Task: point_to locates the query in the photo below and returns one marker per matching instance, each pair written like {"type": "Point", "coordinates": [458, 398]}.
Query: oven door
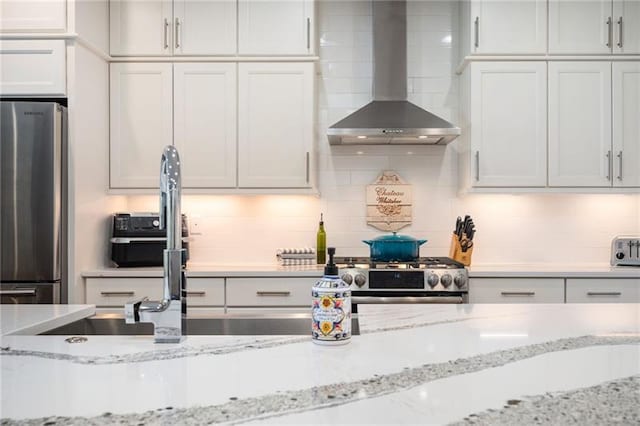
{"type": "Point", "coordinates": [29, 293]}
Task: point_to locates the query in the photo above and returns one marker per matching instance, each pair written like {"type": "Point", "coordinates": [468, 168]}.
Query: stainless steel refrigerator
{"type": "Point", "coordinates": [32, 202]}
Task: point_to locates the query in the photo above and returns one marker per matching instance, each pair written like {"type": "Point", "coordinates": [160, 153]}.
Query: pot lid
{"type": "Point", "coordinates": [395, 238]}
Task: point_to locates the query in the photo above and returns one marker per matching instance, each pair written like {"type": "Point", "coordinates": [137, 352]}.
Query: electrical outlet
{"type": "Point", "coordinates": [195, 225]}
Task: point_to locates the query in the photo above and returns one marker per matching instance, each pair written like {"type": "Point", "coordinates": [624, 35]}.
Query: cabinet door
{"type": "Point", "coordinates": [580, 26]}
{"type": "Point", "coordinates": [140, 27]}
{"type": "Point", "coordinates": [269, 291]}
{"type": "Point", "coordinates": [275, 124]}
{"type": "Point", "coordinates": [580, 124]}
{"type": "Point", "coordinates": [626, 123]}
{"type": "Point", "coordinates": [205, 123]}
{"type": "Point", "coordinates": [204, 27]}
{"type": "Point", "coordinates": [32, 67]}
{"type": "Point", "coordinates": [141, 122]}
{"type": "Point", "coordinates": [33, 15]}
{"type": "Point", "coordinates": [516, 290]}
{"type": "Point", "coordinates": [272, 27]}
{"type": "Point", "coordinates": [603, 290]}
{"type": "Point", "coordinates": [509, 123]}
{"type": "Point", "coordinates": [626, 17]}
{"type": "Point", "coordinates": [509, 27]}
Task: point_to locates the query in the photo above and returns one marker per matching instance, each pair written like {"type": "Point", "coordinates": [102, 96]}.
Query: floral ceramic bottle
{"type": "Point", "coordinates": [331, 307]}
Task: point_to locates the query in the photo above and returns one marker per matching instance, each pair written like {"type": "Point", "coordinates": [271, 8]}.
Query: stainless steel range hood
{"type": "Point", "coordinates": [390, 118]}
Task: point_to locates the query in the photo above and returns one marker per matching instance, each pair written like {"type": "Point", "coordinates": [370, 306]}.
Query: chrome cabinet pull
{"type": "Point", "coordinates": [620, 32]}
{"type": "Point", "coordinates": [518, 293]}
{"type": "Point", "coordinates": [608, 165]}
{"type": "Point", "coordinates": [273, 293]}
{"type": "Point", "coordinates": [477, 166]}
{"type": "Point", "coordinates": [604, 293]}
{"type": "Point", "coordinates": [178, 29]}
{"type": "Point", "coordinates": [166, 33]}
{"type": "Point", "coordinates": [117, 293]}
{"type": "Point", "coordinates": [20, 292]}
{"type": "Point", "coordinates": [476, 32]}
{"type": "Point", "coordinates": [609, 31]}
{"type": "Point", "coordinates": [619, 165]}
{"type": "Point", "coordinates": [196, 293]}
{"type": "Point", "coordinates": [307, 167]}
{"type": "Point", "coordinates": [308, 33]}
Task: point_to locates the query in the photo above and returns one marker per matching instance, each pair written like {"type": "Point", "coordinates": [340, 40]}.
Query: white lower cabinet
{"type": "Point", "coordinates": [32, 67]}
{"type": "Point", "coordinates": [603, 290]}
{"type": "Point", "coordinates": [115, 292]}
{"type": "Point", "coordinates": [516, 290]}
{"type": "Point", "coordinates": [269, 292]}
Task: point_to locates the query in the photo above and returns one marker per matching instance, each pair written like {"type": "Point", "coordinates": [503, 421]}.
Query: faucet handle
{"type": "Point", "coordinates": [132, 310]}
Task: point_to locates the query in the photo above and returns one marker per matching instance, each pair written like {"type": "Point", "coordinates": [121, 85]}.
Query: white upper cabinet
{"type": "Point", "coordinates": [267, 27]}
{"type": "Point", "coordinates": [509, 124]}
{"type": "Point", "coordinates": [508, 27]}
{"type": "Point", "coordinates": [32, 67]}
{"type": "Point", "coordinates": [626, 123]}
{"type": "Point", "coordinates": [141, 27]}
{"type": "Point", "coordinates": [626, 17]}
{"type": "Point", "coordinates": [580, 124]}
{"type": "Point", "coordinates": [33, 15]}
{"type": "Point", "coordinates": [141, 122]}
{"type": "Point", "coordinates": [205, 123]}
{"type": "Point", "coordinates": [204, 27]}
{"type": "Point", "coordinates": [580, 27]}
{"type": "Point", "coordinates": [275, 124]}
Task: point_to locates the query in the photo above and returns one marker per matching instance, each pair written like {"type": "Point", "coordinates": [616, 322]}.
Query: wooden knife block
{"type": "Point", "coordinates": [456, 253]}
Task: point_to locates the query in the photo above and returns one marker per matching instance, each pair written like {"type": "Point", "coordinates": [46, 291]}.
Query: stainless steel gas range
{"type": "Point", "coordinates": [424, 280]}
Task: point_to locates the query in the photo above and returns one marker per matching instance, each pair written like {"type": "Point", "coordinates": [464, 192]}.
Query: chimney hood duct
{"type": "Point", "coordinates": [390, 118]}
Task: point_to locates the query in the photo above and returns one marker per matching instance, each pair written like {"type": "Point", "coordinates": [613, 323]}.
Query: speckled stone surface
{"type": "Point", "coordinates": [614, 402]}
{"type": "Point", "coordinates": [280, 403]}
{"type": "Point", "coordinates": [188, 351]}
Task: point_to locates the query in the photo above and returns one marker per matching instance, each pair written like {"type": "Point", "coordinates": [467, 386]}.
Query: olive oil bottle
{"type": "Point", "coordinates": [321, 243]}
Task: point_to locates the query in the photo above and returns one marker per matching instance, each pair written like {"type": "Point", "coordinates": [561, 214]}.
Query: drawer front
{"type": "Point", "coordinates": [205, 291]}
{"type": "Point", "coordinates": [32, 67]}
{"type": "Point", "coordinates": [607, 290]}
{"type": "Point", "coordinates": [516, 290]}
{"type": "Point", "coordinates": [269, 291]}
{"type": "Point", "coordinates": [117, 291]}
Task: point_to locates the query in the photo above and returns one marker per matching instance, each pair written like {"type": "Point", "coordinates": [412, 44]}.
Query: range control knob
{"type": "Point", "coordinates": [432, 280]}
{"type": "Point", "coordinates": [446, 280]}
{"type": "Point", "coordinates": [347, 278]}
{"type": "Point", "coordinates": [619, 255]}
{"type": "Point", "coordinates": [460, 281]}
{"type": "Point", "coordinates": [360, 279]}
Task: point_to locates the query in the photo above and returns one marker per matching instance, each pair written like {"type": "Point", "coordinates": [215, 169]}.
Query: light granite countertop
{"type": "Point", "coordinates": [587, 270]}
{"type": "Point", "coordinates": [418, 364]}
{"type": "Point", "coordinates": [34, 319]}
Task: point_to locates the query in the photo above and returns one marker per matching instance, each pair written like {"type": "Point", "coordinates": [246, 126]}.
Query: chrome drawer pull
{"type": "Point", "coordinates": [117, 293]}
{"type": "Point", "coordinates": [196, 293]}
{"type": "Point", "coordinates": [273, 293]}
{"type": "Point", "coordinates": [23, 292]}
{"type": "Point", "coordinates": [604, 293]}
{"type": "Point", "coordinates": [518, 293]}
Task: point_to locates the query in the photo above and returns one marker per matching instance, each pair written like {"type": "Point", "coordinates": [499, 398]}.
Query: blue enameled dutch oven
{"type": "Point", "coordinates": [390, 248]}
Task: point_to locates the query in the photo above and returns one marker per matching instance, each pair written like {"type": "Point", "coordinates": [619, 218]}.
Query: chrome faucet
{"type": "Point", "coordinates": [166, 315]}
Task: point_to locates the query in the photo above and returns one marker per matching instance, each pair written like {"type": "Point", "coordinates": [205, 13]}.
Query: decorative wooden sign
{"type": "Point", "coordinates": [389, 202]}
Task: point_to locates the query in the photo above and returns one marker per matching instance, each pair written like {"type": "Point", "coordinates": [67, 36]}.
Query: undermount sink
{"type": "Point", "coordinates": [284, 324]}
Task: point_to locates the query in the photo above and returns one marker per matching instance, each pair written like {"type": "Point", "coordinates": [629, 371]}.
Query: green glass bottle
{"type": "Point", "coordinates": [321, 243]}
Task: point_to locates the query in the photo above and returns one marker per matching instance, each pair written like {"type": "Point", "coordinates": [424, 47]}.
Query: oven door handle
{"type": "Point", "coordinates": [19, 292]}
{"type": "Point", "coordinates": [370, 300]}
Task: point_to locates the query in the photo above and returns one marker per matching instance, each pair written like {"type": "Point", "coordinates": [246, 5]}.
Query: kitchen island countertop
{"type": "Point", "coordinates": [34, 319]}
{"type": "Point", "coordinates": [420, 364]}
